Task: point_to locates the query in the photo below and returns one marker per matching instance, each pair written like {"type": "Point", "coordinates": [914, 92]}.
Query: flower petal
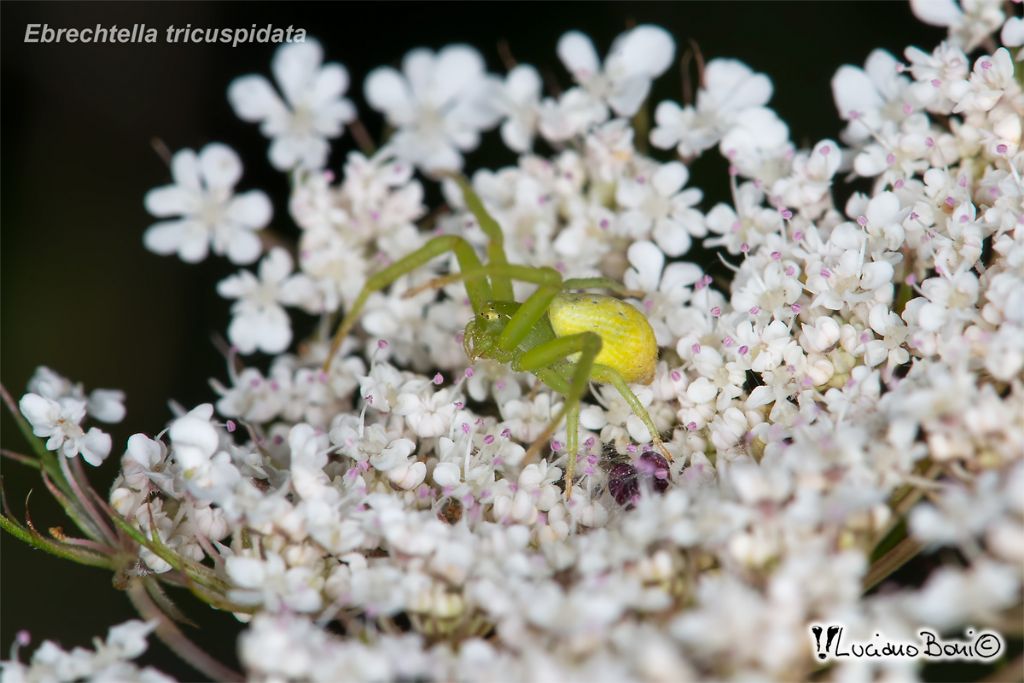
{"type": "Point", "coordinates": [254, 99]}
{"type": "Point", "coordinates": [387, 92]}
{"type": "Point", "coordinates": [220, 166]}
{"type": "Point", "coordinates": [646, 50]}
{"type": "Point", "coordinates": [578, 55]}
{"type": "Point", "coordinates": [251, 209]}
{"type": "Point", "coordinates": [670, 178]}
{"type": "Point", "coordinates": [295, 66]}
{"type": "Point", "coordinates": [171, 200]}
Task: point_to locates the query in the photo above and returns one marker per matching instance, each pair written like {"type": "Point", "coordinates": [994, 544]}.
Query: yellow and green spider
{"type": "Point", "coordinates": [566, 338]}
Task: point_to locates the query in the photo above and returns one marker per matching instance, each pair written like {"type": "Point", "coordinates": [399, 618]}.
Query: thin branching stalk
{"type": "Point", "coordinates": [173, 638]}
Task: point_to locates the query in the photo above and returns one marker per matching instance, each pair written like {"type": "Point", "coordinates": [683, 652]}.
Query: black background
{"type": "Point", "coordinates": [81, 295]}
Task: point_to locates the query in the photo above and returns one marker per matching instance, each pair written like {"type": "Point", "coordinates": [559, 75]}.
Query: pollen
{"type": "Point", "coordinates": [627, 340]}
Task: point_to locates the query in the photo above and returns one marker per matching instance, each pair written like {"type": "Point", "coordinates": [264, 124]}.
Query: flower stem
{"type": "Point", "coordinates": [362, 137]}
{"type": "Point", "coordinates": [36, 540]}
{"type": "Point", "coordinates": [896, 557]}
{"type": "Point", "coordinates": [173, 638]}
{"type": "Point", "coordinates": [19, 458]}
{"type": "Point", "coordinates": [47, 459]}
{"type": "Point", "coordinates": [82, 497]}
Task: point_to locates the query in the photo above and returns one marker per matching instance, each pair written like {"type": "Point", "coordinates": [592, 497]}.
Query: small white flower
{"type": "Point", "coordinates": [518, 100]}
{"type": "Point", "coordinates": [395, 454]}
{"type": "Point", "coordinates": [193, 438]}
{"type": "Point", "coordinates": [991, 79]}
{"type": "Point", "coordinates": [60, 421]}
{"type": "Point", "coordinates": [437, 104]}
{"type": "Point", "coordinates": [1012, 34]}
{"type": "Point", "coordinates": [428, 413]}
{"type": "Point", "coordinates": [447, 474]}
{"type": "Point", "coordinates": [570, 115]}
{"type": "Point", "coordinates": [527, 417]}
{"type": "Point", "coordinates": [730, 88]}
{"type": "Point", "coordinates": [773, 291]}
{"type": "Point", "coordinates": [659, 206]}
{"type": "Point", "coordinates": [208, 214]}
{"type": "Point", "coordinates": [811, 179]}
{"type": "Point", "coordinates": [259, 322]}
{"type": "Point", "coordinates": [743, 228]}
{"type": "Point", "coordinates": [272, 584]}
{"type": "Point", "coordinates": [872, 99]}
{"type": "Point", "coordinates": [108, 663]}
{"type": "Point", "coordinates": [951, 298]}
{"type": "Point", "coordinates": [145, 463]}
{"type": "Point", "coordinates": [757, 144]}
{"type": "Point", "coordinates": [128, 640]}
{"type": "Point", "coordinates": [380, 387]}
{"type": "Point", "coordinates": [935, 74]}
{"type": "Point", "coordinates": [969, 23]}
{"type": "Point", "coordinates": [668, 288]}
{"type": "Point", "coordinates": [821, 335]}
{"type": "Point", "coordinates": [105, 405]}
{"type": "Point", "coordinates": [636, 58]}
{"type": "Point", "coordinates": [409, 475]}
{"type": "Point", "coordinates": [313, 111]}
{"type": "Point", "coordinates": [893, 332]}
{"type": "Point", "coordinates": [977, 592]}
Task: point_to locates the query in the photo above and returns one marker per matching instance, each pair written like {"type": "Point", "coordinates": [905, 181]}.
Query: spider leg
{"type": "Point", "coordinates": [587, 345]}
{"type": "Point", "coordinates": [603, 373]}
{"type": "Point", "coordinates": [531, 311]}
{"type": "Point", "coordinates": [571, 283]}
{"type": "Point", "coordinates": [572, 444]}
{"type": "Point", "coordinates": [479, 291]}
{"type": "Point", "coordinates": [602, 283]}
{"type": "Point", "coordinates": [496, 238]}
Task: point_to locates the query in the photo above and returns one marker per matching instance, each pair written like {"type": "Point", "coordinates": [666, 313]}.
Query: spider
{"type": "Point", "coordinates": [566, 338]}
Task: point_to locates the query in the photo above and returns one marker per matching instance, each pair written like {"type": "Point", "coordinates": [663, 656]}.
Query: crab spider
{"type": "Point", "coordinates": [567, 339]}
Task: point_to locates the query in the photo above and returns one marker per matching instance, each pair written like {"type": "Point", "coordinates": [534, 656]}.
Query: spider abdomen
{"type": "Point", "coordinates": [627, 340]}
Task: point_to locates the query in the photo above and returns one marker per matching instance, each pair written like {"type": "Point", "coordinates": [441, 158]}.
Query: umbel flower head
{"type": "Point", "coordinates": [837, 390]}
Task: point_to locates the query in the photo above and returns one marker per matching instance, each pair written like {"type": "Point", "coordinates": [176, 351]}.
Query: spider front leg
{"type": "Point", "coordinates": [602, 283]}
{"type": "Point", "coordinates": [508, 270]}
{"type": "Point", "coordinates": [541, 358]}
{"type": "Point", "coordinates": [603, 373]}
{"type": "Point", "coordinates": [572, 444]}
{"type": "Point", "coordinates": [478, 290]}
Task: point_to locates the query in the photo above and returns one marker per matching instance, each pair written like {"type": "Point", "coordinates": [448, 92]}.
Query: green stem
{"type": "Point", "coordinates": [362, 138]}
{"type": "Point", "coordinates": [20, 459]}
{"type": "Point", "coordinates": [81, 497]}
{"type": "Point", "coordinates": [904, 499]}
{"type": "Point", "coordinates": [46, 458]}
{"type": "Point", "coordinates": [641, 127]}
{"type": "Point", "coordinates": [904, 294]}
{"type": "Point", "coordinates": [190, 569]}
{"type": "Point", "coordinates": [88, 558]}
{"type": "Point", "coordinates": [896, 557]}
{"type": "Point", "coordinates": [166, 605]}
{"type": "Point", "coordinates": [72, 511]}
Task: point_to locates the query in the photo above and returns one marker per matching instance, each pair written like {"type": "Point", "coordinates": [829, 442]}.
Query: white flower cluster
{"type": "Point", "coordinates": [55, 408]}
{"type": "Point", "coordinates": [861, 357]}
{"type": "Point", "coordinates": [108, 662]}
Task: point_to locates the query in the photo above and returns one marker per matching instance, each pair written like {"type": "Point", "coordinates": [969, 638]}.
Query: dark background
{"type": "Point", "coordinates": [80, 294]}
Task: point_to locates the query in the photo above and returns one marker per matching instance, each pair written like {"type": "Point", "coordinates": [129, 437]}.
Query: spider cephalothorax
{"type": "Point", "coordinates": [483, 330]}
